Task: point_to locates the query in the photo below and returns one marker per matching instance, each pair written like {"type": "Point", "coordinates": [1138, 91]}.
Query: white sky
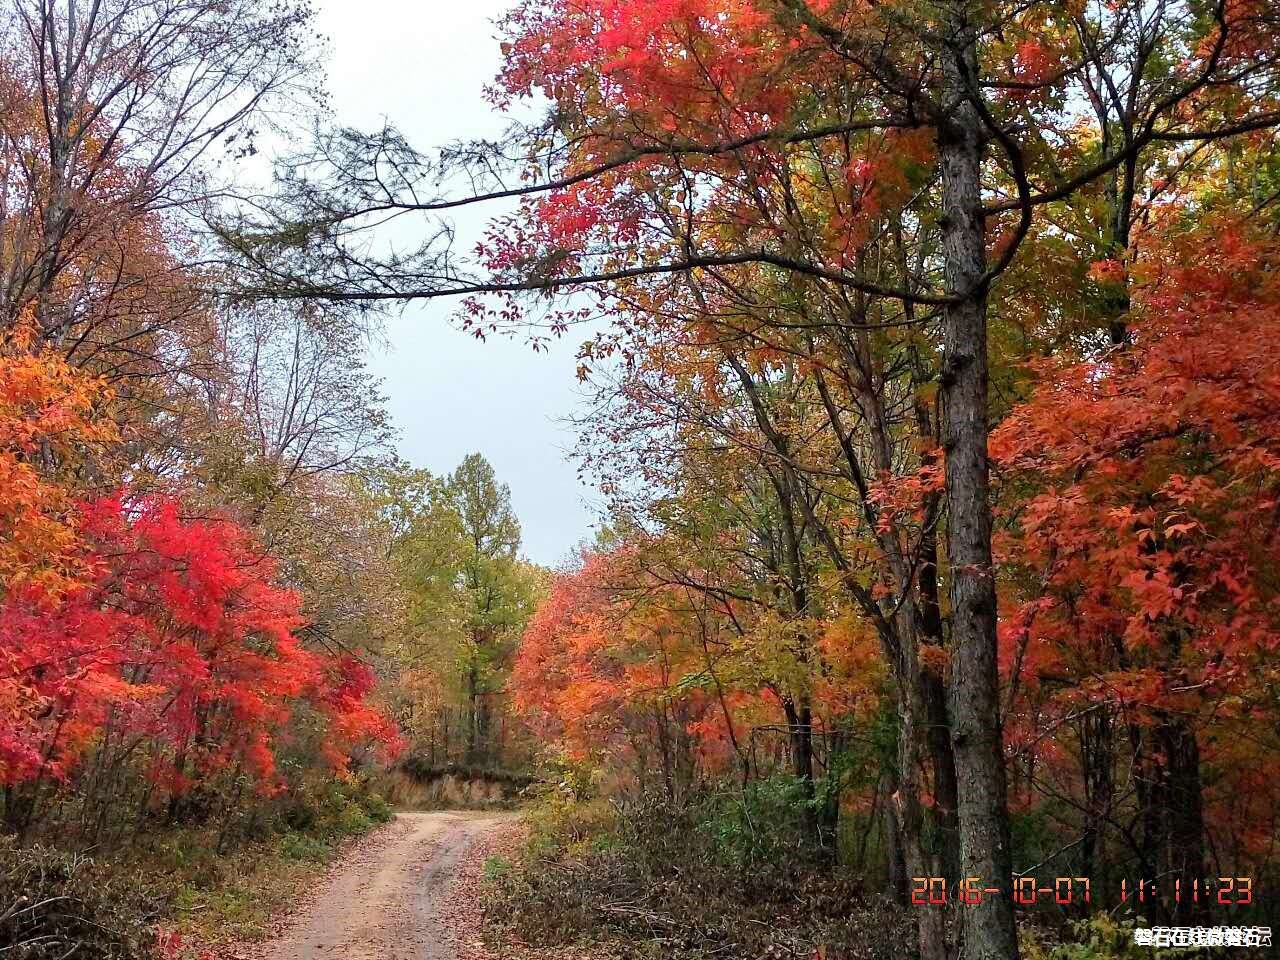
{"type": "Point", "coordinates": [422, 64]}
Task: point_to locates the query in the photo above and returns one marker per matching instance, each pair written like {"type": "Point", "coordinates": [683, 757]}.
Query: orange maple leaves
{"type": "Point", "coordinates": [1154, 481]}
{"type": "Point", "coordinates": [46, 407]}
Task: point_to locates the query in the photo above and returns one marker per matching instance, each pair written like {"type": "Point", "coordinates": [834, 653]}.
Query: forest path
{"type": "Point", "coordinates": [388, 897]}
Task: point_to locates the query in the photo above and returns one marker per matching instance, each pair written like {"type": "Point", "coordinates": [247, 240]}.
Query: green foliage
{"type": "Point", "coordinates": [767, 823]}
{"type": "Point", "coordinates": [562, 820]}
{"type": "Point", "coordinates": [352, 820]}
{"type": "Point", "coordinates": [331, 810]}
{"type": "Point", "coordinates": [456, 550]}
{"type": "Point", "coordinates": [1033, 834]}
{"type": "Point", "coordinates": [458, 540]}
{"type": "Point", "coordinates": [301, 846]}
{"type": "Point", "coordinates": [495, 868]}
{"type": "Point", "coordinates": [377, 808]}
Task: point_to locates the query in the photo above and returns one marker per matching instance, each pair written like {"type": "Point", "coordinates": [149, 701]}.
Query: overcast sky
{"type": "Point", "coordinates": [422, 64]}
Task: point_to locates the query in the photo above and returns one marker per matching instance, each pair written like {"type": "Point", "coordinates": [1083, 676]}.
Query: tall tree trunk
{"type": "Point", "coordinates": [800, 744]}
{"type": "Point", "coordinates": [483, 726]}
{"type": "Point", "coordinates": [931, 920]}
{"type": "Point", "coordinates": [1144, 787]}
{"type": "Point", "coordinates": [664, 746]}
{"type": "Point", "coordinates": [829, 810]}
{"type": "Point", "coordinates": [934, 692]}
{"type": "Point", "coordinates": [989, 931]}
{"type": "Point", "coordinates": [473, 707]}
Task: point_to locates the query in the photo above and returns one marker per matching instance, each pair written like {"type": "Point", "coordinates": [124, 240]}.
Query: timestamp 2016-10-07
{"type": "Point", "coordinates": [1063, 891]}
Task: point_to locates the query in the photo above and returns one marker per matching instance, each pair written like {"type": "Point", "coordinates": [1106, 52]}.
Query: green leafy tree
{"type": "Point", "coordinates": [496, 599]}
{"type": "Point", "coordinates": [458, 549]}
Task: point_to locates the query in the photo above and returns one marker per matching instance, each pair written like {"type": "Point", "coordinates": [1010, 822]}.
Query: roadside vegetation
{"type": "Point", "coordinates": [726, 875]}
{"type": "Point", "coordinates": [227, 607]}
{"type": "Point", "coordinates": [180, 888]}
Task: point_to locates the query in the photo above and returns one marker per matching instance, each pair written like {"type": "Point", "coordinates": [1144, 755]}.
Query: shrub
{"type": "Point", "coordinates": [300, 846]}
{"type": "Point", "coordinates": [330, 809]}
{"type": "Point", "coordinates": [496, 868]}
{"type": "Point", "coordinates": [768, 823]}
{"type": "Point", "coordinates": [55, 905]}
{"type": "Point", "coordinates": [376, 808]}
{"type": "Point", "coordinates": [352, 820]}
{"type": "Point", "coordinates": [1099, 937]}
{"type": "Point", "coordinates": [557, 819]}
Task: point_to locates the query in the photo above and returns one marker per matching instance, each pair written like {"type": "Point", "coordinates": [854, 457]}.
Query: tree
{"type": "Point", "coordinates": [470, 593]}
{"type": "Point", "coordinates": [720, 444]}
{"type": "Point", "coordinates": [615, 672]}
{"type": "Point", "coordinates": [110, 109]}
{"type": "Point", "coordinates": [194, 582]}
{"type": "Point", "coordinates": [178, 649]}
{"type": "Point", "coordinates": [685, 137]}
{"type": "Point", "coordinates": [493, 596]}
{"type": "Point", "coordinates": [47, 411]}
{"type": "Point", "coordinates": [1140, 563]}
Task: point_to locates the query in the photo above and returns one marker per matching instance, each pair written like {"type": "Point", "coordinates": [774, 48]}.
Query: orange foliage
{"type": "Point", "coordinates": [596, 673]}
{"type": "Point", "coordinates": [46, 410]}
{"type": "Point", "coordinates": [1155, 471]}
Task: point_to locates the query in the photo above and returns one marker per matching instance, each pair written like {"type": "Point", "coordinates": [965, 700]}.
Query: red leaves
{"type": "Point", "coordinates": [1151, 475]}
{"type": "Point", "coordinates": [1107, 271]}
{"type": "Point", "coordinates": [666, 60]}
{"type": "Point", "coordinates": [126, 619]}
{"type": "Point", "coordinates": [179, 637]}
{"type": "Point", "coordinates": [903, 499]}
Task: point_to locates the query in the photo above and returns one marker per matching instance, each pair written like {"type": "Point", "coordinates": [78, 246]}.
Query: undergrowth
{"type": "Point", "coordinates": [728, 875]}
{"type": "Point", "coordinates": [176, 883]}
{"type": "Point", "coordinates": [55, 904]}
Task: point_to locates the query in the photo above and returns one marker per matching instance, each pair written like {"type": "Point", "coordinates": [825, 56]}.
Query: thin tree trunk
{"type": "Point", "coordinates": [800, 749]}
{"type": "Point", "coordinates": [897, 863]}
{"type": "Point", "coordinates": [1097, 761]}
{"type": "Point", "coordinates": [829, 811]}
{"type": "Point", "coordinates": [473, 708]}
{"type": "Point", "coordinates": [943, 762]}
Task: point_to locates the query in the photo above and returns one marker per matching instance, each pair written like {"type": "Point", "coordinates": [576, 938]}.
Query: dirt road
{"type": "Point", "coordinates": [388, 898]}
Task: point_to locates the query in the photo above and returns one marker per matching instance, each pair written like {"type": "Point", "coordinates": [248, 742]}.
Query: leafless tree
{"type": "Point", "coordinates": [115, 115]}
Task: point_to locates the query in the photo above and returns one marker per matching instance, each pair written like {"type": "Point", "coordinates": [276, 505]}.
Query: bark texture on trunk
{"type": "Point", "coordinates": [1173, 816]}
{"type": "Point", "coordinates": [989, 931]}
{"type": "Point", "coordinates": [943, 761]}
{"type": "Point", "coordinates": [912, 741]}
{"type": "Point", "coordinates": [896, 881]}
